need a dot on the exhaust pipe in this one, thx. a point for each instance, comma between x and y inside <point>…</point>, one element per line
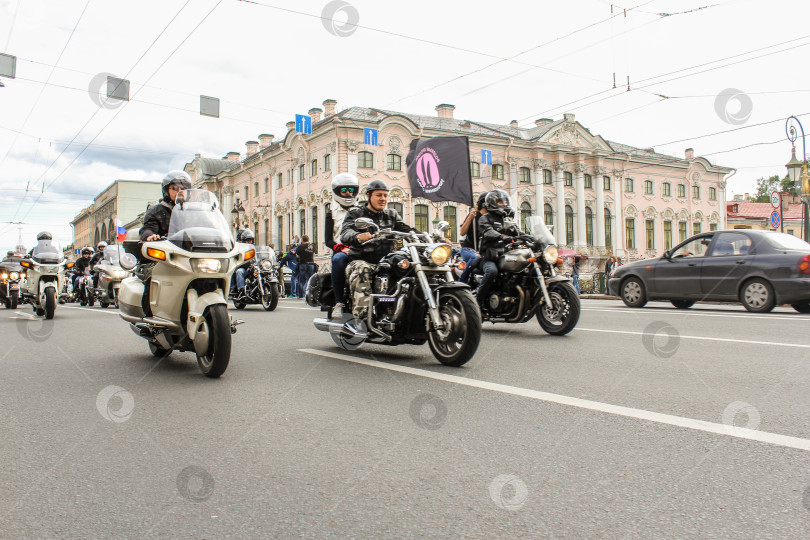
<point>325,325</point>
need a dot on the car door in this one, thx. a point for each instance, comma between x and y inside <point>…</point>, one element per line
<point>678,276</point>
<point>726,264</point>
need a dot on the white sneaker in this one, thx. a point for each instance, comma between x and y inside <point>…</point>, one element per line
<point>337,311</point>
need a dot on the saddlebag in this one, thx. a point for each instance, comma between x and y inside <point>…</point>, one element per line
<point>319,290</point>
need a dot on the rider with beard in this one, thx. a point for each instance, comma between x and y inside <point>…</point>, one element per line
<point>492,234</point>
<point>364,258</point>
<point>345,188</point>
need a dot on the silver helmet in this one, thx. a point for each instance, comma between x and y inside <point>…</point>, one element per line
<point>181,178</point>
<point>345,188</point>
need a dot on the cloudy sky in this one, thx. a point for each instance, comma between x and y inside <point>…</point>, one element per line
<point>61,143</point>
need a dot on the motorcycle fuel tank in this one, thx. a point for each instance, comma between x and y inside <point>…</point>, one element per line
<point>515,260</point>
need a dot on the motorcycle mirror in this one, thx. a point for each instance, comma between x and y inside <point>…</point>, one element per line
<point>128,261</point>
<point>364,224</point>
<point>442,226</point>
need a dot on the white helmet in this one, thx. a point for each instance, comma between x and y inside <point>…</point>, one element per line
<point>345,188</point>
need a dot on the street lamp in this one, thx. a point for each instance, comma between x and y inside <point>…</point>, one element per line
<point>238,213</point>
<point>797,170</point>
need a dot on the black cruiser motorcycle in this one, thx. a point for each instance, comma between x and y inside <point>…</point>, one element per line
<point>527,285</point>
<point>414,299</point>
<point>261,281</point>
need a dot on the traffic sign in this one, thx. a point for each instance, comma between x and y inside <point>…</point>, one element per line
<point>776,199</point>
<point>370,136</point>
<point>486,157</point>
<point>77,251</point>
<point>776,219</point>
<point>303,123</point>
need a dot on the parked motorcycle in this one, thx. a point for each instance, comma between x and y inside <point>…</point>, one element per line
<point>261,281</point>
<point>11,272</point>
<point>188,281</point>
<point>414,299</point>
<point>45,273</point>
<point>527,285</point>
<point>110,275</point>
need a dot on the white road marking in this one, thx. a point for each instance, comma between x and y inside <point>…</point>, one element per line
<point>99,310</point>
<point>693,313</point>
<point>703,338</point>
<point>776,439</point>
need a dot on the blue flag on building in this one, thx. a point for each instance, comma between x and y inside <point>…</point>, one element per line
<point>303,123</point>
<point>439,169</point>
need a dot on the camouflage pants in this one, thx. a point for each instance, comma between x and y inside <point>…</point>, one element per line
<point>359,274</point>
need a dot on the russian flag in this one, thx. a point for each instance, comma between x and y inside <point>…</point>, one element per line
<point>122,232</point>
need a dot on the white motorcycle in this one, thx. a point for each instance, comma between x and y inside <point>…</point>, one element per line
<point>188,283</point>
<point>45,277</point>
<point>110,276</point>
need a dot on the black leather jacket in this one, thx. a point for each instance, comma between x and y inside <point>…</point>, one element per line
<point>156,221</point>
<point>82,264</point>
<point>374,251</point>
<point>492,234</point>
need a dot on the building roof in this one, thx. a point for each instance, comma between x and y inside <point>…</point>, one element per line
<point>760,210</point>
<point>214,166</point>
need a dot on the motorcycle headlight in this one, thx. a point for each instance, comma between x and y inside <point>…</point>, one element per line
<point>550,254</point>
<point>439,253</point>
<point>209,266</point>
<point>4,275</point>
<point>121,274</point>
<point>22,276</point>
<point>267,265</point>
<point>14,275</point>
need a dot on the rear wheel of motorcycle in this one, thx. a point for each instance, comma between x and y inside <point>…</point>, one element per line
<point>14,300</point>
<point>456,344</point>
<point>91,300</point>
<point>104,304</point>
<point>217,325</point>
<point>50,302</point>
<point>270,300</point>
<point>238,305</point>
<point>82,302</point>
<point>159,352</point>
<point>562,316</point>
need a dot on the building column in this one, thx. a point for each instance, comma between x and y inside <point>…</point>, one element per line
<point>227,204</point>
<point>539,202</point>
<point>513,163</point>
<point>559,187</point>
<point>579,182</point>
<point>599,229</point>
<point>351,149</point>
<point>618,212</point>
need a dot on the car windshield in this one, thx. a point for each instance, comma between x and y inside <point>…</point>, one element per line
<point>197,223</point>
<point>787,241</point>
<point>47,252</point>
<point>538,229</point>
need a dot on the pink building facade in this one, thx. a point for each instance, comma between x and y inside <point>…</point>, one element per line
<point>598,196</point>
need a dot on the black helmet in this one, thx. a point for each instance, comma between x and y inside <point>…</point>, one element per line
<point>181,178</point>
<point>497,202</point>
<point>44,235</point>
<point>480,203</point>
<point>247,237</point>
<point>376,185</point>
<point>86,251</point>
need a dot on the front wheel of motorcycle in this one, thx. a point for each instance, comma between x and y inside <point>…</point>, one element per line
<point>218,329</point>
<point>91,299</point>
<point>270,300</point>
<point>563,314</point>
<point>456,343</point>
<point>50,302</point>
<point>14,300</point>
<point>238,305</point>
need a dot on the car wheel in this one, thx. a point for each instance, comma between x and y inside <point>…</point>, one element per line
<point>757,296</point>
<point>683,304</point>
<point>802,307</point>
<point>633,293</point>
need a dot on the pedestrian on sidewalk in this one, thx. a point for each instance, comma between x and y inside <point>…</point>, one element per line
<point>306,264</point>
<point>292,263</point>
<point>611,262</point>
<point>575,273</point>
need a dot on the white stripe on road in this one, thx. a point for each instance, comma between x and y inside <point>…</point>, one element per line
<point>694,313</point>
<point>703,338</point>
<point>99,310</point>
<point>679,421</point>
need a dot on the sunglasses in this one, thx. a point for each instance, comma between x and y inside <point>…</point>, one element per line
<point>175,188</point>
<point>347,190</point>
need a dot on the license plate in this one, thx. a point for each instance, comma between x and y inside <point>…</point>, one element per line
<point>15,287</point>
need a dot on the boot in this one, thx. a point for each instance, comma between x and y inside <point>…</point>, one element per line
<point>337,311</point>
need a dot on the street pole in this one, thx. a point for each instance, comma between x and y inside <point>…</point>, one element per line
<point>797,170</point>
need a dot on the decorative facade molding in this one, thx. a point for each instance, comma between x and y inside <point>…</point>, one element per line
<point>560,165</point>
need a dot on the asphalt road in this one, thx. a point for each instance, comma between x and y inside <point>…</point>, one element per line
<point>642,423</point>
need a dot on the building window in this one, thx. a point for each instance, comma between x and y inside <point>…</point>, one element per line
<point>569,225</point>
<point>256,232</point>
<point>588,226</point>
<point>314,238</point>
<point>712,194</point>
<point>497,172</point>
<point>475,169</point>
<point>630,233</point>
<point>713,227</point>
<point>695,192</point>
<point>267,231</point>
<point>247,193</point>
<point>327,162</point>
<point>266,185</point>
<point>681,190</point>
<point>313,171</point>
<point>397,207</point>
<point>302,218</point>
<point>280,181</point>
<point>548,215</point>
<point>393,162</point>
<point>569,179</point>
<point>681,231</point>
<point>606,181</point>
<point>525,175</point>
<point>450,217</point>
<point>420,217</point>
<point>608,228</point>
<point>667,235</point>
<point>525,214</point>
<point>365,160</point>
<point>696,227</point>
<point>301,173</point>
<point>279,233</point>
<point>547,177</point>
<point>667,189</point>
<point>650,236</point>
<point>628,185</point>
<point>648,187</point>
<point>255,189</point>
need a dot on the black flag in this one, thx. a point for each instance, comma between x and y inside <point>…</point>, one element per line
<point>439,169</point>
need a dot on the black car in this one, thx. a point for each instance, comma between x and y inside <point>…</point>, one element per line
<point>758,268</point>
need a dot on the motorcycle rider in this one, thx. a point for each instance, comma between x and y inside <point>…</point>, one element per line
<point>156,223</point>
<point>44,235</point>
<point>345,189</point>
<point>492,234</point>
<point>244,236</point>
<point>81,266</point>
<point>364,258</point>
<point>95,259</point>
<point>471,241</point>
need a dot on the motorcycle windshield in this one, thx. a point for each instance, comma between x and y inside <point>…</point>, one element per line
<point>264,252</point>
<point>197,223</point>
<point>538,229</point>
<point>112,254</point>
<point>47,252</point>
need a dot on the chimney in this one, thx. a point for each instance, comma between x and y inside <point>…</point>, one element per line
<point>252,147</point>
<point>291,125</point>
<point>197,156</point>
<point>315,113</point>
<point>232,156</point>
<point>329,107</point>
<point>689,153</point>
<point>747,197</point>
<point>540,122</point>
<point>569,117</point>
<point>265,140</point>
<point>513,123</point>
<point>445,110</point>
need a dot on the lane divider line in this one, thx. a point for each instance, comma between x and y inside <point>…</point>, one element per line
<point>702,338</point>
<point>698,314</point>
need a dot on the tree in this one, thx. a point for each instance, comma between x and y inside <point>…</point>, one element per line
<point>766,185</point>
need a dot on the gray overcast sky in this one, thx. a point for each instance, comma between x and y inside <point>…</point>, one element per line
<point>268,62</point>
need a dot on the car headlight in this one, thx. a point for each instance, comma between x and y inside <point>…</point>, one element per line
<point>550,254</point>
<point>209,266</point>
<point>14,275</point>
<point>438,253</point>
<point>267,265</point>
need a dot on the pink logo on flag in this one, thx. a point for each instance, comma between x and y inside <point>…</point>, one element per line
<point>427,170</point>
